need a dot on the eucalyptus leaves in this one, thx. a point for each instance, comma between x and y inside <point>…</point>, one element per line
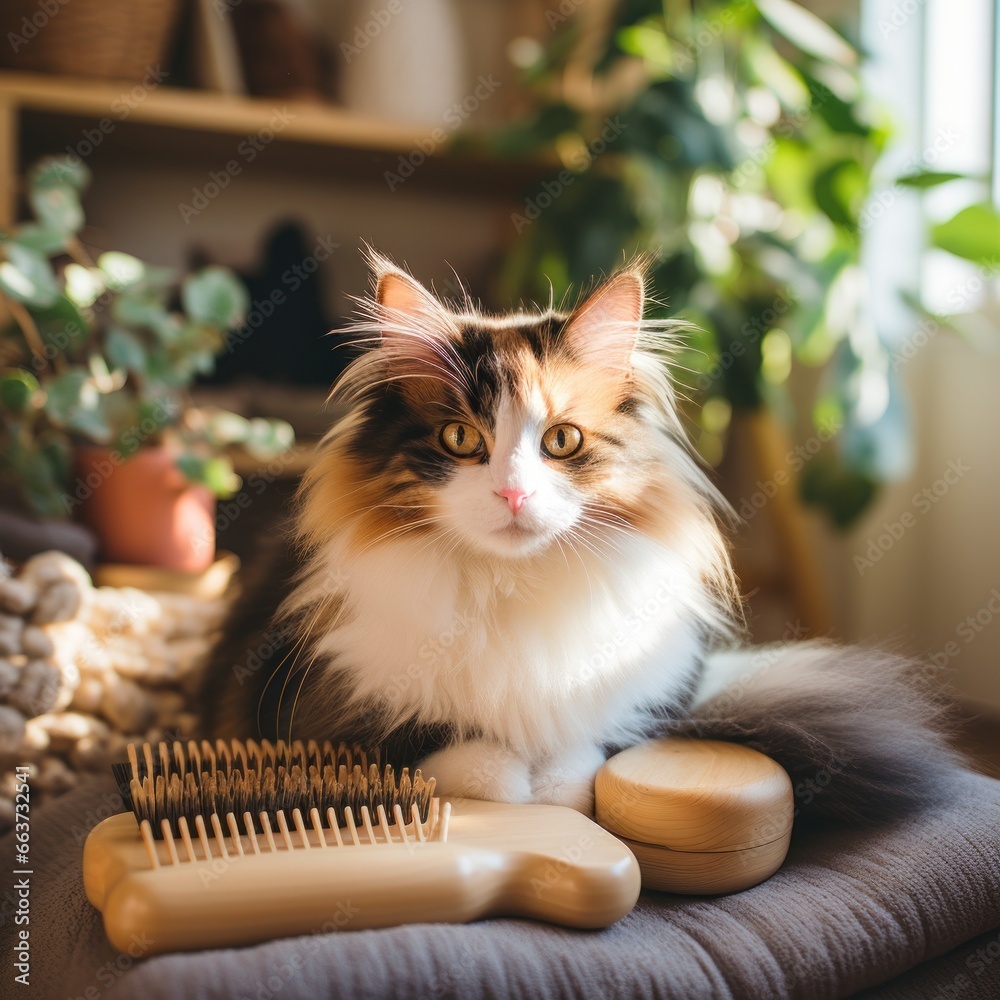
<point>103,351</point>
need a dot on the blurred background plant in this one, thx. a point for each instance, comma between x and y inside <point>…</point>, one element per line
<point>103,352</point>
<point>734,142</point>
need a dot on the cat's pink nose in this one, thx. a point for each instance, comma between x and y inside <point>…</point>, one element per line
<point>515,497</point>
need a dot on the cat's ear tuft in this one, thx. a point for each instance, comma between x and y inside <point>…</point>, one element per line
<point>400,295</point>
<point>603,330</point>
<point>415,328</point>
<point>407,313</point>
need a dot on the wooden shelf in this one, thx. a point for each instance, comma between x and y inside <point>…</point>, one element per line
<point>204,111</point>
<point>62,103</point>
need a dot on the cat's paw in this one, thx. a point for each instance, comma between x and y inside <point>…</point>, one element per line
<point>568,780</point>
<point>479,769</point>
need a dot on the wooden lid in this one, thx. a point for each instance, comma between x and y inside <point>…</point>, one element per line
<point>694,795</point>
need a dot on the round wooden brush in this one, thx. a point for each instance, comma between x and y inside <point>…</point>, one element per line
<point>701,816</point>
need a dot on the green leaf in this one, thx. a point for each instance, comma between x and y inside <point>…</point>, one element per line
<point>163,369</point>
<point>268,437</point>
<point>224,428</point>
<point>19,391</point>
<point>138,422</point>
<point>806,31</point>
<point>62,325</point>
<point>974,233</point>
<point>838,190</point>
<point>216,473</point>
<point>929,178</point>
<point>84,285</point>
<point>56,451</point>
<point>125,350</point>
<point>143,309</point>
<point>27,276</point>
<point>91,422</point>
<point>41,239</point>
<point>73,402</point>
<point>840,115</point>
<point>215,296</point>
<point>875,438</point>
<point>64,393</point>
<point>774,71</point>
<point>55,171</point>
<point>842,492</point>
<point>121,270</point>
<point>58,207</point>
<point>35,475</point>
<point>649,42</point>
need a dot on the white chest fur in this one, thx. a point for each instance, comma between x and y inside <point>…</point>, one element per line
<point>552,651</point>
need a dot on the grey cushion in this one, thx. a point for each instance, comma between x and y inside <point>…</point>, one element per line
<point>848,911</point>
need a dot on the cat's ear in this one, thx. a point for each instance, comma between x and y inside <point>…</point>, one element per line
<point>603,330</point>
<point>415,329</point>
<point>412,322</point>
<point>400,295</point>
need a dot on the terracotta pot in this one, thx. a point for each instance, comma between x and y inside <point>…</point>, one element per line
<point>144,510</point>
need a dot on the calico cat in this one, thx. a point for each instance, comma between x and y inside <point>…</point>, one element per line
<point>505,563</point>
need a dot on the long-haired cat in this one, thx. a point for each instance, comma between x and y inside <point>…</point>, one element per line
<point>505,563</point>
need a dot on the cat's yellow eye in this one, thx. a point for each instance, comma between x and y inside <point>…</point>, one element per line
<point>462,440</point>
<point>562,441</point>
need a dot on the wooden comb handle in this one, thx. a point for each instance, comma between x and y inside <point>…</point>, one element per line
<point>499,860</point>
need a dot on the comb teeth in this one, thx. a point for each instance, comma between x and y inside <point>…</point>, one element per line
<point>171,785</point>
<point>211,842</point>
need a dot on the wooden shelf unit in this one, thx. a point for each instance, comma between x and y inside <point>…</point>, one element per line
<point>200,114</point>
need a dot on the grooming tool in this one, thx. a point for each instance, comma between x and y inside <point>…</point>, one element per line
<point>243,842</point>
<point>701,816</point>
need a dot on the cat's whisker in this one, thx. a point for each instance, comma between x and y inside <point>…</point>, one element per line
<point>293,652</point>
<point>306,637</point>
<point>589,526</point>
<point>400,529</point>
<point>577,537</point>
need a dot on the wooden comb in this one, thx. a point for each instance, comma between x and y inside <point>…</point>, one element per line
<point>244,842</point>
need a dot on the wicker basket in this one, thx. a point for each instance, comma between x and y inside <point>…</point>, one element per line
<point>108,39</point>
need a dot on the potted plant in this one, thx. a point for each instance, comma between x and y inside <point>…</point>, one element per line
<point>96,359</point>
<point>733,142</point>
